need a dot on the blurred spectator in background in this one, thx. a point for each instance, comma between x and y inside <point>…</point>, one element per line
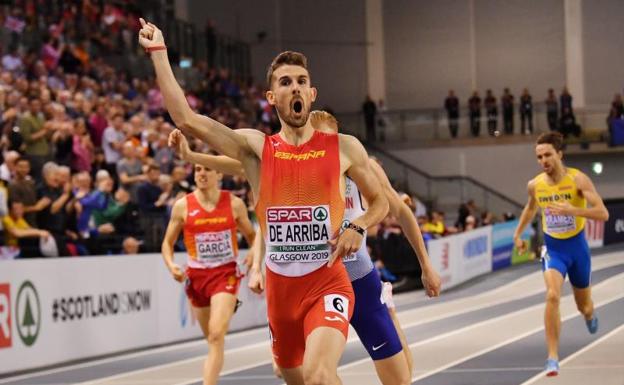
<point>35,136</point>
<point>507,103</point>
<point>565,101</point>
<point>152,201</point>
<point>552,110</point>
<point>526,112</point>
<point>618,106</point>
<point>7,169</point>
<point>112,143</point>
<point>52,197</point>
<point>470,223</point>
<point>19,234</point>
<point>130,169</point>
<point>465,210</point>
<point>474,108</point>
<point>23,189</point>
<point>568,124</point>
<point>491,109</point>
<point>435,224</point>
<point>130,246</point>
<point>451,104</point>
<point>369,109</point>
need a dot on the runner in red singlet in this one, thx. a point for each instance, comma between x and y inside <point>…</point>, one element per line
<point>209,219</point>
<point>297,177</point>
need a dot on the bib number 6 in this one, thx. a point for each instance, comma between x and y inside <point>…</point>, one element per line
<point>336,303</point>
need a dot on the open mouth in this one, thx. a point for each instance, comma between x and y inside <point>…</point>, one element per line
<point>297,106</point>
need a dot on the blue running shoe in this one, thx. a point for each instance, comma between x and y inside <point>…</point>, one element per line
<point>592,325</point>
<point>552,367</point>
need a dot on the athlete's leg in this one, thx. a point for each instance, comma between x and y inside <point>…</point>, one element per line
<point>407,352</point>
<point>393,370</point>
<point>214,321</point>
<point>552,318</point>
<point>292,376</point>
<point>324,347</point>
<point>584,302</point>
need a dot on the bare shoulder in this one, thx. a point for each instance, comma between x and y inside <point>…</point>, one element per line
<point>236,201</point>
<point>352,148</point>
<point>255,139</point>
<point>178,211</point>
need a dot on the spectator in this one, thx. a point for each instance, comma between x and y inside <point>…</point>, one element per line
<point>568,124</point>
<point>22,189</point>
<point>152,204</point>
<point>131,246</point>
<point>82,147</point>
<point>18,233</point>
<point>181,185</point>
<point>35,135</point>
<point>491,108</point>
<point>526,112</point>
<point>471,223</point>
<point>451,104</point>
<point>465,209</point>
<point>52,198</point>
<point>507,101</point>
<point>474,106</point>
<point>112,143</point>
<point>98,122</point>
<point>369,110</point>
<point>565,101</point>
<point>435,225</point>
<point>552,110</point>
<point>487,218</point>
<point>130,170</point>
<point>7,169</point>
<point>12,61</point>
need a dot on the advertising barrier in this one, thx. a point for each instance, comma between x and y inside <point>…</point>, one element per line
<point>594,233</point>
<point>504,253</point>
<point>58,310</point>
<point>461,257</point>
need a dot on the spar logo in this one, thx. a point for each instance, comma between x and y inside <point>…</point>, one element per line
<point>320,214</point>
<point>27,314</point>
<point>290,214</point>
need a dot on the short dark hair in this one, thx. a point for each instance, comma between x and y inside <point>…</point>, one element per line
<point>286,58</point>
<point>22,158</point>
<point>553,138</point>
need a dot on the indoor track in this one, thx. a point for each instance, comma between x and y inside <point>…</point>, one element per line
<point>487,332</point>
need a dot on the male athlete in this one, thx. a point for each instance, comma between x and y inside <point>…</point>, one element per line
<point>376,324</point>
<point>209,218</point>
<point>297,180</point>
<point>562,193</point>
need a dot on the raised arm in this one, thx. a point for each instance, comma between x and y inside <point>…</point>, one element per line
<point>359,171</point>
<point>407,221</point>
<point>220,137</point>
<point>220,163</point>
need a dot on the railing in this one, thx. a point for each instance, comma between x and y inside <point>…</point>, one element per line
<point>419,125</point>
<point>443,193</point>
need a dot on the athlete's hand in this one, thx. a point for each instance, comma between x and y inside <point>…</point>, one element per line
<point>177,272</point>
<point>520,244</point>
<point>256,280</point>
<point>431,281</point>
<point>178,142</point>
<point>150,35</point>
<point>561,209</point>
<point>348,242</point>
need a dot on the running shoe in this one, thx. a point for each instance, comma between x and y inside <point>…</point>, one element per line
<point>552,367</point>
<point>592,325</point>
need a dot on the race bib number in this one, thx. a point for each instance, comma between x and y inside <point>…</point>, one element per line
<point>557,224</point>
<point>214,247</point>
<point>336,303</point>
<point>298,234</point>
